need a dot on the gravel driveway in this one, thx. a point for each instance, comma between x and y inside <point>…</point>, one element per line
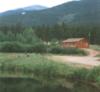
<point>89,60</point>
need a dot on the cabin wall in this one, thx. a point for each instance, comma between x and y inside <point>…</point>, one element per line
<point>65,45</point>
<point>83,44</point>
<point>80,44</point>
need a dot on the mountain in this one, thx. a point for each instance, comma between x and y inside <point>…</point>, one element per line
<point>34,7</point>
<point>74,12</point>
<point>23,10</point>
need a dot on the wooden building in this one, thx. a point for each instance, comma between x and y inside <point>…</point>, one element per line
<point>75,42</point>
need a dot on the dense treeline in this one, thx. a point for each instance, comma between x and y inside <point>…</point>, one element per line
<point>61,32</point>
<point>19,39</point>
<point>18,33</point>
<point>49,33</point>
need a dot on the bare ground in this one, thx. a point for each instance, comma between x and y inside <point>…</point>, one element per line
<point>86,61</point>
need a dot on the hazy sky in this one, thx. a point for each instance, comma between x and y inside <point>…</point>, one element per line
<point>12,4</point>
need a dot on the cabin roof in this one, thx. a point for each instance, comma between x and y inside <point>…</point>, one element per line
<point>73,40</point>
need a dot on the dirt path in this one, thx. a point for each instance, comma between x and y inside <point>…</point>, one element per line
<point>87,61</point>
<point>92,52</point>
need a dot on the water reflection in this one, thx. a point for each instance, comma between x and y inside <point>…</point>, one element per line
<point>29,85</point>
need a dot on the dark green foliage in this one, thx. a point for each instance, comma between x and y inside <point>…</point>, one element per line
<point>94,74</point>
<point>25,35</point>
<point>15,46</point>
<point>79,74</point>
<point>69,51</point>
<point>40,48</point>
<point>46,33</point>
<point>28,85</point>
<point>20,47</point>
<point>36,48</point>
<point>23,40</point>
<point>31,85</point>
<point>11,47</point>
<point>63,31</point>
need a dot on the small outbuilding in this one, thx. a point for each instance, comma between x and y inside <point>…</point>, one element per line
<point>76,42</point>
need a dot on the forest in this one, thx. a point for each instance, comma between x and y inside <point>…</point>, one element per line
<point>45,33</point>
<point>62,32</point>
<point>18,38</point>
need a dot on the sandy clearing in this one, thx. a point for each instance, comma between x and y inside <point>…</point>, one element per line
<point>92,52</point>
<point>87,61</point>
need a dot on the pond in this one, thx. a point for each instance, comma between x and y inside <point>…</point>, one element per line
<point>30,85</point>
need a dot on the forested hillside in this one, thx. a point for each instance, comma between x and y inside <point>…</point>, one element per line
<point>76,12</point>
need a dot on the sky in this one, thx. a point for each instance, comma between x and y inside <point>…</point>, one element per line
<point>13,4</point>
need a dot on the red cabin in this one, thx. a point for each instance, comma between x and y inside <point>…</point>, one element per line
<point>76,42</point>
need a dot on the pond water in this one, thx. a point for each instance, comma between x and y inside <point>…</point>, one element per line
<point>29,85</point>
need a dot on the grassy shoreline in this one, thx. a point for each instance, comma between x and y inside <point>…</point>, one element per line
<point>44,71</point>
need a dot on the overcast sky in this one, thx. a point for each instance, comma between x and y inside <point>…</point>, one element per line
<point>13,4</point>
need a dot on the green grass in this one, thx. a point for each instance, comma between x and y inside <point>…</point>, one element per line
<point>95,47</point>
<point>32,66</point>
<point>36,66</point>
<point>46,73</point>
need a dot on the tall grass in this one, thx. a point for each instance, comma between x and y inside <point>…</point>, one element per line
<point>34,66</point>
<point>45,72</point>
<point>95,47</point>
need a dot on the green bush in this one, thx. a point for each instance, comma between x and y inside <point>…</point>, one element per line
<point>36,48</point>
<point>70,51</point>
<point>40,48</point>
<point>20,47</point>
<point>11,47</point>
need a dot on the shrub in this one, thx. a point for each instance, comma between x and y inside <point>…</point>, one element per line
<point>70,51</point>
<point>40,48</point>
<point>11,47</point>
<point>37,48</point>
<point>20,47</point>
